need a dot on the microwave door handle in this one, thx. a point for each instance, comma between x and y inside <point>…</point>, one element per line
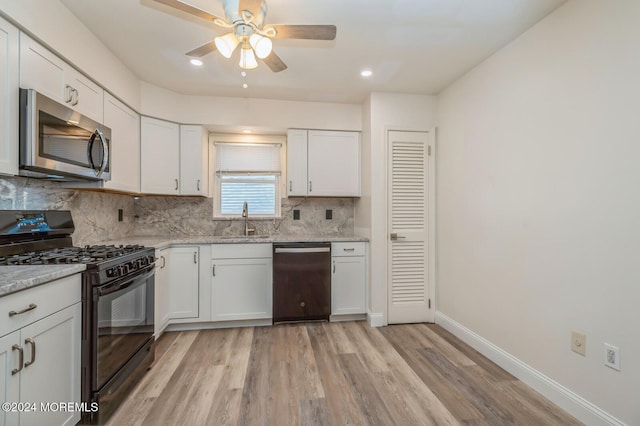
<point>92,140</point>
<point>105,152</point>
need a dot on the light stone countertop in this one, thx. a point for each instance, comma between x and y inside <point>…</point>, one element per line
<point>14,278</point>
<point>159,242</point>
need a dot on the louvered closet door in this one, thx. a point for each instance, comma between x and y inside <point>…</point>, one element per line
<point>408,298</point>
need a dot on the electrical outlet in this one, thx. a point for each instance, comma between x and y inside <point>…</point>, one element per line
<point>296,214</point>
<point>612,356</point>
<point>328,214</point>
<point>579,342</point>
<point>120,215</point>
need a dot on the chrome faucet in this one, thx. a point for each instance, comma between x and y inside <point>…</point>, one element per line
<point>245,215</point>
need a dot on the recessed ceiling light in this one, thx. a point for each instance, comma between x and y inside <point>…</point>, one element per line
<point>245,85</point>
<point>246,131</point>
<point>366,73</point>
<point>196,62</point>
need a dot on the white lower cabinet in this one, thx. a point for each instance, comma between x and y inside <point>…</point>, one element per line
<point>184,282</point>
<point>242,282</point>
<point>161,291</point>
<point>348,278</point>
<point>40,354</point>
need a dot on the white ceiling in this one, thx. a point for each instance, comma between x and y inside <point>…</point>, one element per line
<point>412,46</point>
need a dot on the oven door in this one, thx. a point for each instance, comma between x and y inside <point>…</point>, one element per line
<point>123,323</point>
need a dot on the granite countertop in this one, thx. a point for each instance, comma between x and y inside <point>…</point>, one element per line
<point>20,277</point>
<point>160,242</point>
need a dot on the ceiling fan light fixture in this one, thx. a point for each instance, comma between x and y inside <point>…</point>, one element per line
<point>247,59</point>
<point>226,44</point>
<point>262,45</point>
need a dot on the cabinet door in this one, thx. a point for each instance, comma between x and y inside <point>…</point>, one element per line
<point>125,145</point>
<point>52,369</point>
<point>160,157</point>
<point>42,70</point>
<point>9,383</point>
<point>9,69</point>
<point>334,163</point>
<point>183,282</point>
<point>297,162</point>
<point>87,97</point>
<point>241,289</point>
<point>161,295</point>
<point>348,285</point>
<point>194,160</point>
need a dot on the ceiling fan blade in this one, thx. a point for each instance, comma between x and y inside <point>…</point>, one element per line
<point>274,62</point>
<point>308,32</point>
<point>192,10</point>
<point>205,49</point>
<point>253,6</point>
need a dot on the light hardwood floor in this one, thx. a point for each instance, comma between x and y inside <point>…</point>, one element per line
<point>329,374</point>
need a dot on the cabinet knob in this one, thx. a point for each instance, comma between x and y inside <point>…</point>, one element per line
<point>302,305</point>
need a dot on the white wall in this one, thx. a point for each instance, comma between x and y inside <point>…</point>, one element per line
<point>50,21</point>
<point>538,203</point>
<point>384,112</point>
<point>248,112</point>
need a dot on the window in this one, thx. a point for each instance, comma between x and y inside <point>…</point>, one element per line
<point>247,172</point>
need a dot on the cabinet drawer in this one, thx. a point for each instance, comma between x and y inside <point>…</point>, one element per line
<point>348,249</point>
<point>48,298</point>
<point>241,251</point>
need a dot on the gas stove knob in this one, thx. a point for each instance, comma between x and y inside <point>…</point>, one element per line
<point>111,272</point>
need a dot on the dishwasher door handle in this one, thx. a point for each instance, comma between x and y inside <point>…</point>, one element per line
<point>303,249</point>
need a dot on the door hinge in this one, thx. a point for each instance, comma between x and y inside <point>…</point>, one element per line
<point>429,151</point>
<point>429,303</point>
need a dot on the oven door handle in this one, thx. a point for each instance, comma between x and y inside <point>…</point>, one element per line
<point>112,288</point>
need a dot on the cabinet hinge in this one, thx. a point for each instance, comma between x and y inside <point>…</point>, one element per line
<point>429,151</point>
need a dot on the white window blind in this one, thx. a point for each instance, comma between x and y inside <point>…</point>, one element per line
<point>249,158</point>
<point>247,173</point>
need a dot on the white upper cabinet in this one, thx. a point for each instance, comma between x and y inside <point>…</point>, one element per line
<point>194,160</point>
<point>125,145</point>
<point>48,74</point>
<point>323,163</point>
<point>9,68</point>
<point>160,157</point>
<point>297,162</point>
<point>175,158</point>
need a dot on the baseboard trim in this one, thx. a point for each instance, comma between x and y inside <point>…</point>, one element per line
<point>574,404</point>
<point>375,319</point>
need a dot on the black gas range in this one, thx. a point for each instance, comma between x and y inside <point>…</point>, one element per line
<point>117,300</point>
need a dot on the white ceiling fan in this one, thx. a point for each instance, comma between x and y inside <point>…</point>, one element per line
<point>245,20</point>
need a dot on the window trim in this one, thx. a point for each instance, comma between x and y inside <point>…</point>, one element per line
<point>281,177</point>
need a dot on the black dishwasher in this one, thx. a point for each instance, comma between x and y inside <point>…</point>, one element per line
<point>301,281</point>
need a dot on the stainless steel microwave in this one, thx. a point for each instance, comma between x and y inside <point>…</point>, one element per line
<point>59,143</point>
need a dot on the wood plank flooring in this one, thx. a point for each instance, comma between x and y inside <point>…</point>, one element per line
<point>329,374</point>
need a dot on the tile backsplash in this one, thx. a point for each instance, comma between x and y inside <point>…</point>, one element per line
<point>193,216</point>
<point>95,214</point>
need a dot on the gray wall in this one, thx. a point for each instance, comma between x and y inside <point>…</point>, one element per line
<point>538,202</point>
